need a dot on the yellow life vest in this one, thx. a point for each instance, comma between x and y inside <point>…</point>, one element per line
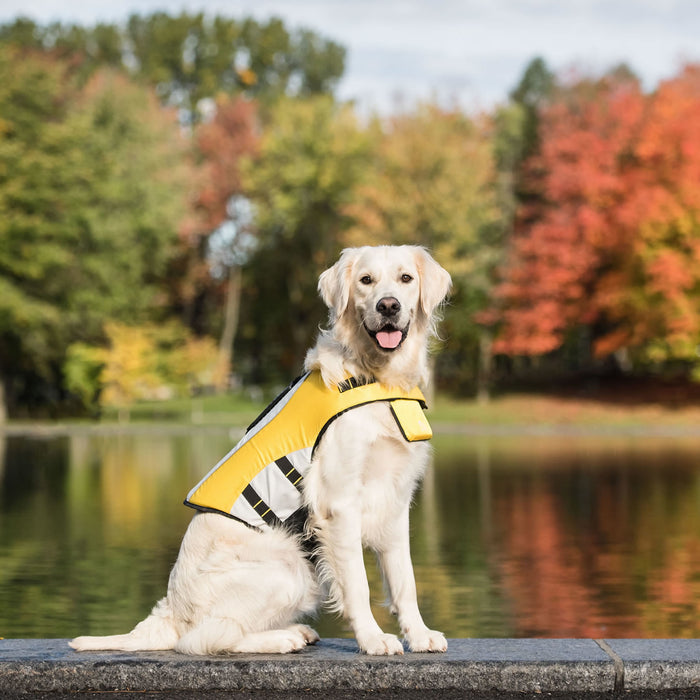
<point>259,480</point>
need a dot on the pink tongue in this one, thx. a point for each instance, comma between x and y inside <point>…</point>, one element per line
<point>389,339</point>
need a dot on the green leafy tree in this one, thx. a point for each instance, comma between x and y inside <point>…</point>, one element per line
<point>92,187</point>
<point>86,48</point>
<point>516,138</point>
<point>189,57</point>
<point>203,66</point>
<point>531,95</point>
<point>312,155</point>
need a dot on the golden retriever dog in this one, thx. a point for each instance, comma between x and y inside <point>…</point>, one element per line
<point>237,588</point>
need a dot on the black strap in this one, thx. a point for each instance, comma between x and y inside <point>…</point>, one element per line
<point>289,470</point>
<point>259,506</point>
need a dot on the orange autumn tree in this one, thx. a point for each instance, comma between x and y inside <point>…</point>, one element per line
<point>662,299</point>
<point>614,244</point>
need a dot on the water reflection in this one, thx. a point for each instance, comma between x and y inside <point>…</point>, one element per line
<point>511,536</point>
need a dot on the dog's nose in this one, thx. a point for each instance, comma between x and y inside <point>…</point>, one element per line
<point>388,306</point>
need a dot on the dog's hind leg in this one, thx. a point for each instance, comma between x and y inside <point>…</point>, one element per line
<point>157,632</point>
<point>252,589</point>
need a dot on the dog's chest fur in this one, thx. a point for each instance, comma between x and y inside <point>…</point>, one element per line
<point>366,466</point>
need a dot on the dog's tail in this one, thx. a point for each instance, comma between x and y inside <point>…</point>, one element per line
<point>155,633</point>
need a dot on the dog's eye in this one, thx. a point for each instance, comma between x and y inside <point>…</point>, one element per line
<point>366,279</point>
<point>406,279</point>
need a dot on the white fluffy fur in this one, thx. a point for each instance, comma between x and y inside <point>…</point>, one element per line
<point>234,589</point>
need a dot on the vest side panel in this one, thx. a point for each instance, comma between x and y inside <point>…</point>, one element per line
<point>243,511</point>
<point>205,493</point>
<point>291,427</point>
<point>277,491</point>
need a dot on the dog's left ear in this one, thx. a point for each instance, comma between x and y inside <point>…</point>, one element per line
<point>333,284</point>
<point>434,279</point>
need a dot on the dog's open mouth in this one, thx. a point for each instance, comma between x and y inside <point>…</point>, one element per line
<point>388,337</point>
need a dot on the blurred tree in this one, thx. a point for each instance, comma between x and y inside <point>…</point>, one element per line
<point>432,183</point>
<point>531,95</point>
<point>615,248</point>
<point>193,62</point>
<point>556,250</point>
<point>141,362</point>
<point>219,239</point>
<point>191,57</point>
<point>312,155</point>
<point>92,185</point>
<point>86,49</point>
<point>130,367</point>
<point>81,373</point>
<point>516,141</point>
<point>516,138</point>
<point>651,304</point>
<point>509,155</point>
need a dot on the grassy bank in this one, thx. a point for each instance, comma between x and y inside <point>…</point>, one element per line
<point>540,409</point>
<point>229,409</point>
<point>507,410</point>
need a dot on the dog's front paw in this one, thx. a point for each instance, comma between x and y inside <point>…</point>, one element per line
<point>427,640</point>
<point>381,645</point>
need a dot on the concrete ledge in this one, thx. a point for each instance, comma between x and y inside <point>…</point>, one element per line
<point>472,668</point>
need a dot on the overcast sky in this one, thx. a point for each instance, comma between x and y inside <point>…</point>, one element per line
<point>473,51</point>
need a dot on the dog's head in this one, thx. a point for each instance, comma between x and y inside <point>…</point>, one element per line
<point>381,298</point>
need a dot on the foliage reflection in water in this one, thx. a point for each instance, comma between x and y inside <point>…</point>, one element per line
<point>512,537</point>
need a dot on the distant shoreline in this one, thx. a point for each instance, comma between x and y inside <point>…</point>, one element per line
<point>53,430</point>
<point>616,413</point>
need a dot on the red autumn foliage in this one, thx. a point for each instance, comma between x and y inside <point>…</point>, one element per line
<point>220,146</point>
<point>614,240</point>
<point>230,136</point>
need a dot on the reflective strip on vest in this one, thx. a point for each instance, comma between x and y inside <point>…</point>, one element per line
<point>259,480</point>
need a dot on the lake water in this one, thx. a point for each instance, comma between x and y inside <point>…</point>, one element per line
<point>511,536</point>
